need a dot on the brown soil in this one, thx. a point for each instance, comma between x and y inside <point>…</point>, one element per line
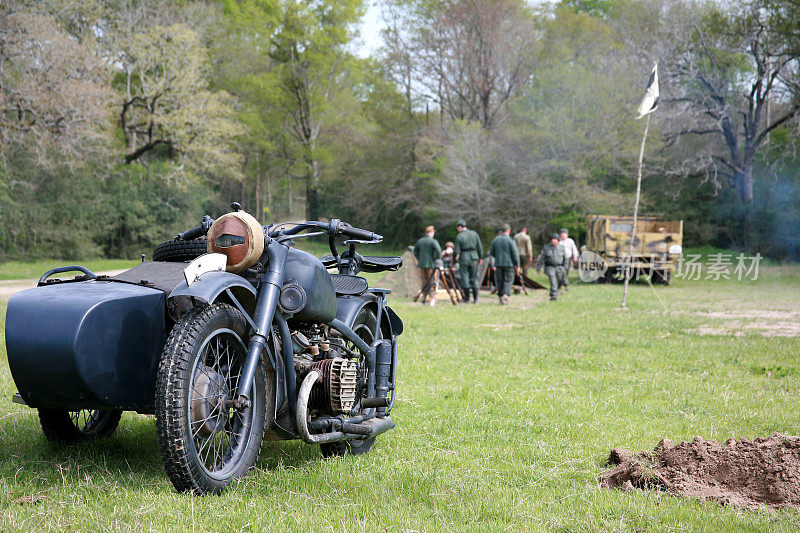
<point>737,329</point>
<point>751,322</point>
<point>761,474</point>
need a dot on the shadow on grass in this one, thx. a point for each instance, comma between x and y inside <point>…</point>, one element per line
<point>129,459</point>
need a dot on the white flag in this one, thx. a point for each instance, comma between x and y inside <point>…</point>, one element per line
<point>650,100</point>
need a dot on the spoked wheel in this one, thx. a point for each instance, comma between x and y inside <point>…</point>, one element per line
<point>205,441</point>
<point>60,425</point>
<point>364,327</point>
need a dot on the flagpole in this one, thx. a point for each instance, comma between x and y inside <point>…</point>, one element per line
<point>635,214</point>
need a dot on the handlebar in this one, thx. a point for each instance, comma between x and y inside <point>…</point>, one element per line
<point>199,231</point>
<point>190,234</point>
<point>361,234</point>
<point>334,228</point>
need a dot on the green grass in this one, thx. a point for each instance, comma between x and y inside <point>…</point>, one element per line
<point>505,417</point>
<point>34,269</point>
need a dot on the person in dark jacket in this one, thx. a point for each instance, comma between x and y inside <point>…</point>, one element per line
<point>506,262</point>
<point>554,261</point>
<point>469,254</point>
<point>428,253</point>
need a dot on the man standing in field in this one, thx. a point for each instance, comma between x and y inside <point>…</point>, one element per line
<point>506,260</point>
<point>428,252</point>
<point>555,263</point>
<point>525,248</point>
<point>572,254</point>
<point>469,254</point>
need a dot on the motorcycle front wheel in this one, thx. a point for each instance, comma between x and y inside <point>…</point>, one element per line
<point>206,443</point>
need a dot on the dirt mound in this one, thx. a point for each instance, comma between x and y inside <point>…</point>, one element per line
<point>406,281</point>
<point>760,474</point>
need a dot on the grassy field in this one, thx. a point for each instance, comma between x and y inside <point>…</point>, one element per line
<point>34,269</point>
<point>505,418</point>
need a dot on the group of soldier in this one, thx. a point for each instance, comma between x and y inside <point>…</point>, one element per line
<point>509,258</point>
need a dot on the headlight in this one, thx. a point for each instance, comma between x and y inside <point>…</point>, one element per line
<point>239,237</point>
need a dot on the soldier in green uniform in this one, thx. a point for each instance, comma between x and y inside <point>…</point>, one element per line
<point>554,261</point>
<point>506,260</point>
<point>469,254</point>
<point>428,252</point>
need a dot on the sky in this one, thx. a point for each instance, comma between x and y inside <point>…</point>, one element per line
<point>371,26</point>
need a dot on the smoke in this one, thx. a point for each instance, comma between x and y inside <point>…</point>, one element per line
<point>778,217</point>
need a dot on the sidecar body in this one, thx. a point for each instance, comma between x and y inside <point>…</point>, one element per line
<point>91,344</point>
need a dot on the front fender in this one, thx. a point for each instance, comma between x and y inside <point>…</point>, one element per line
<point>348,307</point>
<point>209,288</point>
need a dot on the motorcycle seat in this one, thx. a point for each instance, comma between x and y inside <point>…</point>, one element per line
<point>381,263</point>
<point>367,263</point>
<point>350,285</point>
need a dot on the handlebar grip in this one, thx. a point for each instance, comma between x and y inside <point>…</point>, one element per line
<point>362,234</point>
<point>190,234</point>
<point>199,231</point>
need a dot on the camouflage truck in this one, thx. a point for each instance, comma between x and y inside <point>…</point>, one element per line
<point>656,250</point>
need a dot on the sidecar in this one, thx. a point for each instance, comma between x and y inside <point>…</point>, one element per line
<point>94,343</point>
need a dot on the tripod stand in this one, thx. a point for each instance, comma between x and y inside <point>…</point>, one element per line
<point>432,285</point>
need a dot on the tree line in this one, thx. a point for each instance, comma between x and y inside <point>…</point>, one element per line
<point>123,121</point>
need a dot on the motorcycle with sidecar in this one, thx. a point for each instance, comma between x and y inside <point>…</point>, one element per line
<point>229,335</point>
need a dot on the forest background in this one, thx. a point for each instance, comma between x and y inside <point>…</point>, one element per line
<point>124,121</point>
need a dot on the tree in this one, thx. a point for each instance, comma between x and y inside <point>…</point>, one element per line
<point>53,88</point>
<point>310,49</point>
<point>468,185</point>
<point>167,104</point>
<point>734,79</point>
<point>469,57</point>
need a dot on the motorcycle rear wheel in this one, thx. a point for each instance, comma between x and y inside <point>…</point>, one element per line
<point>60,425</point>
<point>205,443</point>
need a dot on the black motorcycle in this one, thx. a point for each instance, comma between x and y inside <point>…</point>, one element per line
<point>253,338</point>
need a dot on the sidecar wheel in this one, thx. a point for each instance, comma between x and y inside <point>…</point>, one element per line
<point>60,425</point>
<point>179,251</point>
<point>205,443</point>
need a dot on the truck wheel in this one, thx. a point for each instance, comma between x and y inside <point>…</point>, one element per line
<point>179,251</point>
<point>60,425</point>
<point>662,276</point>
<point>607,277</point>
<point>205,442</point>
<point>364,327</point>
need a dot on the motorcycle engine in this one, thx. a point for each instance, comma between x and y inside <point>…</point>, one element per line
<point>336,389</point>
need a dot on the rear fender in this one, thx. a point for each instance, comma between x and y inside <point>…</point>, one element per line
<point>209,288</point>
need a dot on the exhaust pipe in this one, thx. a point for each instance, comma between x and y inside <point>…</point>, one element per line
<point>368,428</point>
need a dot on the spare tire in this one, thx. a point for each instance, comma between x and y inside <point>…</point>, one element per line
<point>178,251</point>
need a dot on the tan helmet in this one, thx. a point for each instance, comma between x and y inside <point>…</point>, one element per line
<point>238,236</point>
